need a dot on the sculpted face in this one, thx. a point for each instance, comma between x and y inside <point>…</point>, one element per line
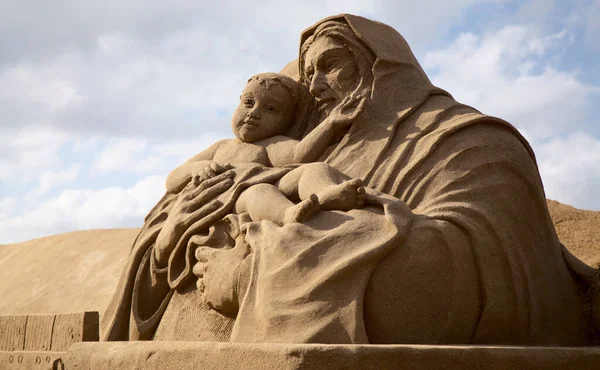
<point>263,112</point>
<point>331,71</point>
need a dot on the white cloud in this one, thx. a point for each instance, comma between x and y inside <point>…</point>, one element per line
<point>591,13</point>
<point>38,87</point>
<point>51,179</point>
<point>26,153</point>
<point>570,168</point>
<point>122,155</point>
<point>509,74</point>
<point>7,207</point>
<point>81,209</point>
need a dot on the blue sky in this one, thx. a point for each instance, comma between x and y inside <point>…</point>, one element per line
<point>98,101</point>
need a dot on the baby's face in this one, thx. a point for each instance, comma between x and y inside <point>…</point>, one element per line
<point>263,112</point>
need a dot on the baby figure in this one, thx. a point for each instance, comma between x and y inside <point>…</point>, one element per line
<point>268,108</point>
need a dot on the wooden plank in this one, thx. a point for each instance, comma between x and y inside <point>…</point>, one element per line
<point>12,333</point>
<point>73,328</point>
<point>38,335</point>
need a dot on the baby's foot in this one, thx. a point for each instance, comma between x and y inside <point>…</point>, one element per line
<point>302,211</point>
<point>218,271</point>
<point>343,197</point>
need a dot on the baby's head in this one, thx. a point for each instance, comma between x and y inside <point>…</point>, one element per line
<point>267,107</point>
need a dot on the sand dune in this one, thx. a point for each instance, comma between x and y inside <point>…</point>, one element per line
<point>578,230</point>
<point>78,271</point>
<point>70,272</point>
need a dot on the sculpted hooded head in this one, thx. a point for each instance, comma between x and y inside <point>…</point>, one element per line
<point>335,63</point>
<point>347,55</point>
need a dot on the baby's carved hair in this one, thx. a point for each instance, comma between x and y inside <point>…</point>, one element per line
<point>269,79</point>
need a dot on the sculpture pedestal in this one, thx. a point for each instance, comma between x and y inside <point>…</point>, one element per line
<point>223,356</point>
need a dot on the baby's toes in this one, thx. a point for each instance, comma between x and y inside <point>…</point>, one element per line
<point>203,254</point>
<point>355,183</point>
<point>200,285</point>
<point>244,229</point>
<point>299,213</point>
<point>361,195</point>
<point>308,208</point>
<point>199,269</point>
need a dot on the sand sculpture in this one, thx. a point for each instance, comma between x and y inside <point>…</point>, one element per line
<point>422,221</point>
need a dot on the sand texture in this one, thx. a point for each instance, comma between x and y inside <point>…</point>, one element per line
<point>78,271</point>
<point>70,272</point>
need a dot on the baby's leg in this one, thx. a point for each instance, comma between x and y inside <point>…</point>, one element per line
<point>266,202</point>
<point>335,190</point>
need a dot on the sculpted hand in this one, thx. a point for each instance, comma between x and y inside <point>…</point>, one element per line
<point>219,271</point>
<point>347,111</point>
<point>196,200</point>
<point>206,171</point>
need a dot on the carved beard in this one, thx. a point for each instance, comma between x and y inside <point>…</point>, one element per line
<point>363,89</point>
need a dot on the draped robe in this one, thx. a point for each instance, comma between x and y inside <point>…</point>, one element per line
<point>455,246</point>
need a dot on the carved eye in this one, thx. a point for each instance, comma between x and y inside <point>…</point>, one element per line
<point>309,75</point>
<point>248,102</point>
<point>331,64</point>
<point>271,108</point>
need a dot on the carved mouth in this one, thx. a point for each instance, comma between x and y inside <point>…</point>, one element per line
<point>249,123</point>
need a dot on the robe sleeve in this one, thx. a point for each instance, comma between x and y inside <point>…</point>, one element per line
<point>141,280</point>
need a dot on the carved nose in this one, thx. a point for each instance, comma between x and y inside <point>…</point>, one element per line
<point>253,113</point>
<point>317,84</point>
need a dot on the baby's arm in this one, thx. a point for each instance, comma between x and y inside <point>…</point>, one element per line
<point>315,143</point>
<point>180,176</point>
<point>283,150</point>
<point>318,140</point>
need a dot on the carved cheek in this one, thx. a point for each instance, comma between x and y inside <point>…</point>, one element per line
<point>235,118</point>
<point>347,74</point>
<point>341,81</point>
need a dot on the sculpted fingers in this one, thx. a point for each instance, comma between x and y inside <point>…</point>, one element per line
<point>214,190</point>
<point>220,168</point>
<point>354,100</point>
<point>350,107</point>
<point>359,108</point>
<point>196,203</point>
<point>203,211</point>
<point>194,192</point>
<point>344,103</point>
<point>209,172</point>
<point>229,174</point>
<point>191,189</point>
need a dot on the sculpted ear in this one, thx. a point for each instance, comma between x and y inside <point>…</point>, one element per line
<point>291,70</point>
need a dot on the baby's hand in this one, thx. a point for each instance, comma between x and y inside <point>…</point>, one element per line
<point>205,172</point>
<point>347,111</point>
